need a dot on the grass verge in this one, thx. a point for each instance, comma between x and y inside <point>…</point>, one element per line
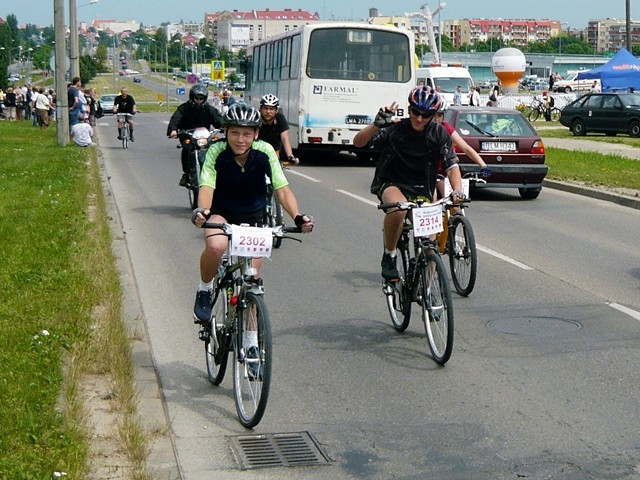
<point>60,310</point>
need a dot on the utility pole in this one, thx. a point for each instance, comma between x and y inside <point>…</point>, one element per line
<point>62,105</point>
<point>74,69</point>
<point>628,24</point>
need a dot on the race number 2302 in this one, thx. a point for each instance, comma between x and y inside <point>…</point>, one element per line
<point>251,241</point>
<point>427,220</point>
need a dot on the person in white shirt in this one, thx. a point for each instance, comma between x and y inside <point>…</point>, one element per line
<point>82,132</point>
<point>42,106</point>
<point>595,88</point>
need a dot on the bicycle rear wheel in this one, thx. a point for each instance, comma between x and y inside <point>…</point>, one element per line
<point>437,307</point>
<point>252,377</point>
<point>555,114</point>
<point>463,257</point>
<point>216,344</point>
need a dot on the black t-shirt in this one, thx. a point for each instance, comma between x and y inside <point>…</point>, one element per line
<point>411,159</point>
<point>125,105</point>
<point>271,133</point>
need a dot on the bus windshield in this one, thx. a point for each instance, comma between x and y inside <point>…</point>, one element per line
<point>359,54</point>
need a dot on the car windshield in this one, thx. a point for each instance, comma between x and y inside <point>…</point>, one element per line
<point>494,124</point>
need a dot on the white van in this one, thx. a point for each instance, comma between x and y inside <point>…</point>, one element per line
<point>448,79</point>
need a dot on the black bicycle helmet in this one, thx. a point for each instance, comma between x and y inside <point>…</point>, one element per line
<point>198,89</point>
<point>242,115</point>
<point>425,98</point>
<point>269,100</point>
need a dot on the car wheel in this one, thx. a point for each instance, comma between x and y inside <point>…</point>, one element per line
<point>567,89</point>
<point>529,193</point>
<point>634,129</point>
<point>578,128</point>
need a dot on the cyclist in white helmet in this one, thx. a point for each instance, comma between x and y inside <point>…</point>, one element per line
<point>275,128</point>
<point>233,190</point>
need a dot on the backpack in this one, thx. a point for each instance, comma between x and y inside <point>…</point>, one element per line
<point>552,102</point>
<point>99,111</point>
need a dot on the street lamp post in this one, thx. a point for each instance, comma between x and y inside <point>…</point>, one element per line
<point>560,46</point>
<point>439,9</point>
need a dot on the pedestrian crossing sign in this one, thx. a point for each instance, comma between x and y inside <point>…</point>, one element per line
<point>217,70</point>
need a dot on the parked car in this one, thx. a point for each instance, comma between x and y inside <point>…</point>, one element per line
<point>608,113</point>
<point>507,143</point>
<point>106,101</point>
<point>137,80</point>
<point>572,84</point>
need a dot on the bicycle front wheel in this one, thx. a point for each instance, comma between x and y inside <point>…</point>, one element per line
<point>437,307</point>
<point>463,257</point>
<point>124,133</point>
<point>252,376</point>
<point>555,114</point>
<point>533,116</point>
<point>216,343</point>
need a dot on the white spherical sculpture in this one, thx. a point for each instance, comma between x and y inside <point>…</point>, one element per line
<point>509,65</point>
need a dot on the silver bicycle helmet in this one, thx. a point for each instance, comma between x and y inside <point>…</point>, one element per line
<point>425,98</point>
<point>242,115</point>
<point>269,100</point>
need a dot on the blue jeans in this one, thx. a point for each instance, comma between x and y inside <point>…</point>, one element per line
<point>73,116</point>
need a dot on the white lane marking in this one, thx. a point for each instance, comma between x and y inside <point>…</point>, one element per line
<point>358,197</point>
<point>510,260</point>
<point>479,247</point>
<point>294,172</point>
<point>632,313</point>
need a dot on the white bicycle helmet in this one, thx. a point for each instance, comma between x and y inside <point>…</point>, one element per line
<point>269,100</point>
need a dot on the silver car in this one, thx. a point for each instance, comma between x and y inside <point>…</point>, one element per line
<point>106,101</point>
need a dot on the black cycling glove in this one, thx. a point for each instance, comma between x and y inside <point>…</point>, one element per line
<point>384,118</point>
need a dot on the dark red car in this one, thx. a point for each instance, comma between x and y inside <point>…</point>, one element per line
<point>508,144</point>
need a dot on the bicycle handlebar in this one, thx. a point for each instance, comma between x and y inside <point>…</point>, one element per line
<point>278,231</point>
<point>406,205</point>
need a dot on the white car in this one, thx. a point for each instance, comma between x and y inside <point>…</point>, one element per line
<point>572,84</point>
<point>106,101</point>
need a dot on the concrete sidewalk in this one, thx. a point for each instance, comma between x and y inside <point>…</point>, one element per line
<point>627,197</point>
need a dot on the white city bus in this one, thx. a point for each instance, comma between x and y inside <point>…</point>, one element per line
<point>331,78</point>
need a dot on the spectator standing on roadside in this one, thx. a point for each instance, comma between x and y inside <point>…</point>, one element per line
<point>73,100</point>
<point>474,97</point>
<point>33,98</point>
<point>42,106</point>
<point>457,96</point>
<point>595,88</point>
<point>552,80</point>
<point>10,104</point>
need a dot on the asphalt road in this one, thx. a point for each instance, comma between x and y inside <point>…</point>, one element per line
<point>543,378</point>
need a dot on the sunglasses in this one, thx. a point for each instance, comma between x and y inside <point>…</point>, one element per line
<point>199,97</point>
<point>418,113</point>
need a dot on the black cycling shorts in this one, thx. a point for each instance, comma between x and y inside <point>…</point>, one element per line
<point>236,218</point>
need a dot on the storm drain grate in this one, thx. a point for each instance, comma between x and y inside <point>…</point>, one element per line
<point>278,450</point>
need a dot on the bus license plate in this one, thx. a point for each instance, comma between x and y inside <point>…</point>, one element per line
<point>357,120</point>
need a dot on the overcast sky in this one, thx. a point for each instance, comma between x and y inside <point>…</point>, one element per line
<point>153,12</point>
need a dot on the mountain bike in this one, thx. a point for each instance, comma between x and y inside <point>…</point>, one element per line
<point>423,282</point>
<point>238,305</point>
<point>125,134</point>
<point>274,213</point>
<point>457,239</point>
<point>537,108</point>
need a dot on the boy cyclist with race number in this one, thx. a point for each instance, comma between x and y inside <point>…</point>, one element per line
<point>412,149</point>
<point>233,190</point>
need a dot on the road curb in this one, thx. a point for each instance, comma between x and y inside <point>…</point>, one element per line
<point>162,461</point>
<point>623,200</point>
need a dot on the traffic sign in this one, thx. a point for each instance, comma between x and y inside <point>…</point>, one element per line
<point>180,91</point>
